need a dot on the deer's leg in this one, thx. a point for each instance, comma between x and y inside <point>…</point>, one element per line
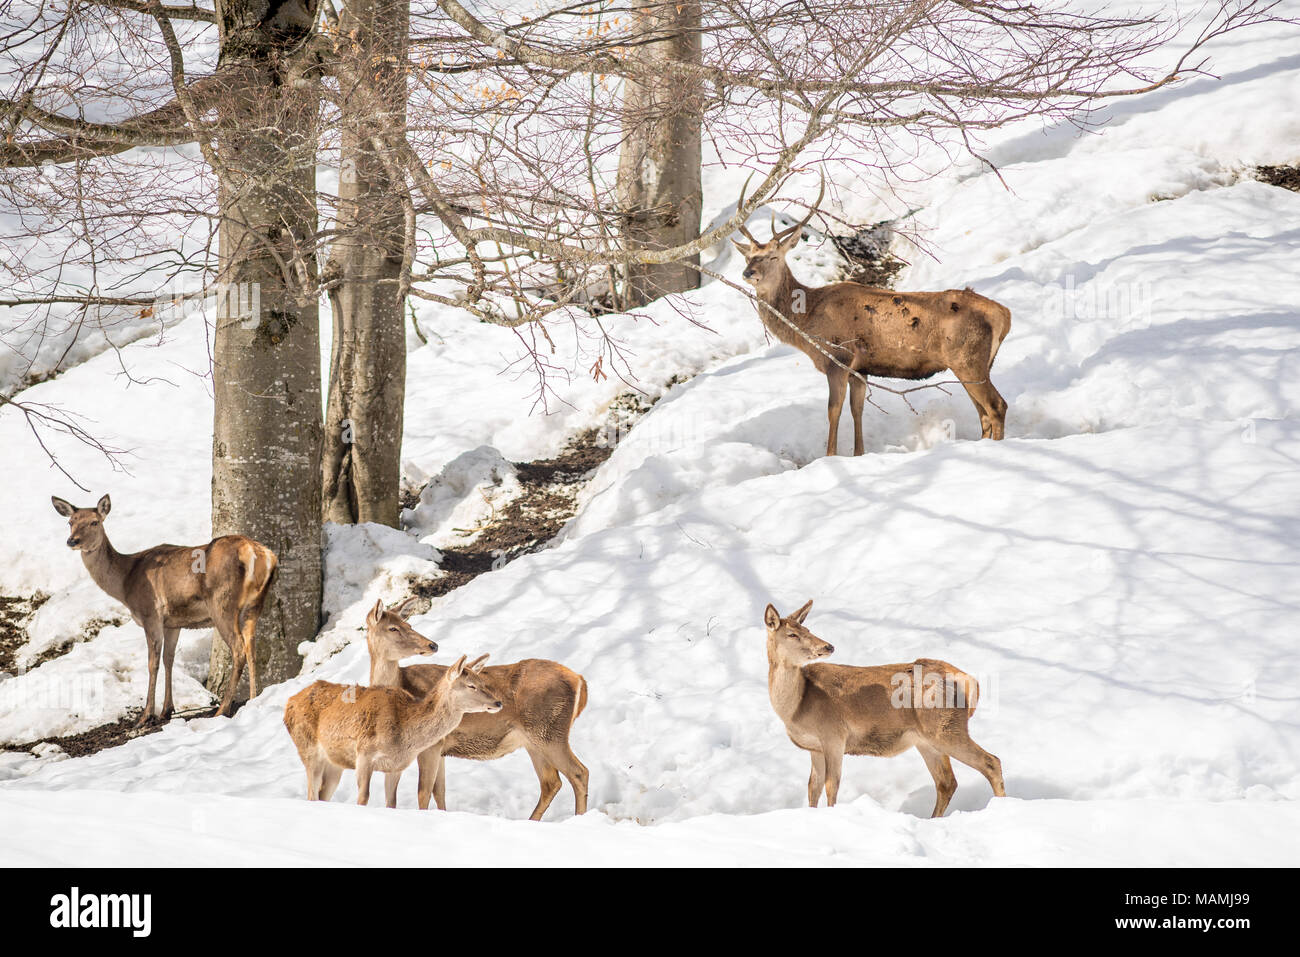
<point>440,783</point>
<point>168,655</point>
<point>836,380</point>
<point>364,769</point>
<point>549,779</point>
<point>390,787</point>
<point>834,760</point>
<point>427,762</point>
<point>998,413</point>
<point>988,402</point>
<point>230,635</point>
<point>945,782</point>
<point>857,397</point>
<point>329,780</point>
<point>315,770</point>
<point>817,779</point>
<point>249,633</point>
<point>153,634</point>
<point>576,773</point>
<point>972,755</point>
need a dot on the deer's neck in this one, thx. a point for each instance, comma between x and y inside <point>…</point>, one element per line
<point>785,687</point>
<point>108,569</point>
<point>383,672</point>
<point>792,299</point>
<point>432,720</point>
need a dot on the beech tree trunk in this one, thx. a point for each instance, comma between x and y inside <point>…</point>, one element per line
<point>266,352</point>
<point>361,464</point>
<point>659,188</point>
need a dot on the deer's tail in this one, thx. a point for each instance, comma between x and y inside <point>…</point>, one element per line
<point>582,699</point>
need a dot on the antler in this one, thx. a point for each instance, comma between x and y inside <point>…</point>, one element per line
<point>743,231</point>
<point>812,211</point>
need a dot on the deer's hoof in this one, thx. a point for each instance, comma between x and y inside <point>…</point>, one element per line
<point>146,719</point>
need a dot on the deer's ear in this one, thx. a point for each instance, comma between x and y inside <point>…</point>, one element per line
<point>373,615</point>
<point>63,508</point>
<point>802,613</point>
<point>456,670</point>
<point>476,665</point>
<point>406,608</point>
<point>791,241</point>
<point>772,618</point>
<point>745,248</point>
<point>104,507</point>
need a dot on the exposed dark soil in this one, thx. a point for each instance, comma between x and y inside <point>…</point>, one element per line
<point>96,739</point>
<point>1288,177</point>
<point>529,521</point>
<point>15,613</point>
<point>113,734</point>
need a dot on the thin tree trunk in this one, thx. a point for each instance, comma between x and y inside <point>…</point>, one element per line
<point>361,464</point>
<point>266,351</point>
<point>659,187</point>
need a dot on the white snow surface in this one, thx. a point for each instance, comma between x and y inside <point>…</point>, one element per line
<point>1119,573</point>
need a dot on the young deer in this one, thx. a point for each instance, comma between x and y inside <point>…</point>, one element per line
<point>221,585</point>
<point>872,331</point>
<point>541,699</point>
<point>379,729</point>
<point>832,710</point>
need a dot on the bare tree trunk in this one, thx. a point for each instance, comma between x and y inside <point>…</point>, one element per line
<point>361,462</point>
<point>266,352</point>
<point>659,187</point>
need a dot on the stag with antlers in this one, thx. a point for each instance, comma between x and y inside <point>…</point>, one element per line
<point>851,331</point>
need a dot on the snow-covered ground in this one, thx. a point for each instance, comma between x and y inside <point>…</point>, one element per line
<point>1119,573</point>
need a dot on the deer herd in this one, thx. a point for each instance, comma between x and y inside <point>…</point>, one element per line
<point>425,713</point>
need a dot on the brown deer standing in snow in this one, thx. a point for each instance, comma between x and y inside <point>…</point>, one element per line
<point>541,700</point>
<point>221,585</point>
<point>379,729</point>
<point>872,331</point>
<point>832,710</point>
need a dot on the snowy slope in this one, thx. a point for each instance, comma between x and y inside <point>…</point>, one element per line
<point>1119,573</point>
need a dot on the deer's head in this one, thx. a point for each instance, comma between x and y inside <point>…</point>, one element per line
<point>389,636</point>
<point>466,687</point>
<point>765,262</point>
<point>86,524</point>
<point>789,642</point>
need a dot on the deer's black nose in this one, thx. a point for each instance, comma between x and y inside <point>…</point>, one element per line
<point>73,543</point>
<point>830,649</point>
<point>433,646</point>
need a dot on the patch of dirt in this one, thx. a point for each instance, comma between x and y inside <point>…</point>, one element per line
<point>530,520</point>
<point>96,739</point>
<point>1288,177</point>
<point>112,734</point>
<point>867,251</point>
<point>15,614</point>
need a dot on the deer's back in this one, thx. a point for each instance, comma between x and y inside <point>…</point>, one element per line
<point>906,335</point>
<point>539,700</point>
<point>885,709</point>
<point>341,719</point>
<point>185,582</point>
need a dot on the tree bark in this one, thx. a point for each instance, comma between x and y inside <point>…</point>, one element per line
<point>659,189</point>
<point>361,464</point>
<point>266,352</point>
